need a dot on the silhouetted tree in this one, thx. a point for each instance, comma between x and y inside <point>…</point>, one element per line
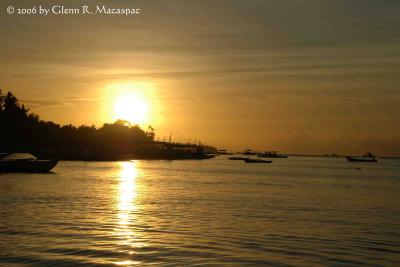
<point>25,131</point>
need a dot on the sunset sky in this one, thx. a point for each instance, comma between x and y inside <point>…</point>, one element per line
<point>304,76</point>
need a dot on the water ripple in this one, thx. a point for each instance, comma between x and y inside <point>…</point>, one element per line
<point>296,212</point>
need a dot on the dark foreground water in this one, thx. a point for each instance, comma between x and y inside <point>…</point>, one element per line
<point>296,211</point>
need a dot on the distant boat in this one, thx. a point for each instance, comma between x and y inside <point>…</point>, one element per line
<point>25,163</point>
<point>368,157</point>
<point>223,152</point>
<point>237,158</point>
<point>249,160</point>
<point>271,154</point>
<point>249,152</point>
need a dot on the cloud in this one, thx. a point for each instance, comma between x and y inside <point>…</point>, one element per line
<point>64,102</point>
<point>32,103</point>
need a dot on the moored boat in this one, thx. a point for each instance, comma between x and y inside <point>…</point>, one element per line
<point>368,157</point>
<point>249,160</point>
<point>249,152</point>
<point>25,163</point>
<point>271,154</point>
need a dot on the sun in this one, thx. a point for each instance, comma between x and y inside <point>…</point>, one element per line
<point>131,107</point>
<point>129,101</point>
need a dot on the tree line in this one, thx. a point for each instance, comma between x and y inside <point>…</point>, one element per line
<point>23,131</point>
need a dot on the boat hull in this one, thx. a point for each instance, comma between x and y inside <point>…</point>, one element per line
<point>272,156</point>
<point>27,166</point>
<point>359,159</point>
<point>257,161</point>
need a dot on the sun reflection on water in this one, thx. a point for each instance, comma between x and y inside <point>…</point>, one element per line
<point>127,188</point>
<point>126,207</point>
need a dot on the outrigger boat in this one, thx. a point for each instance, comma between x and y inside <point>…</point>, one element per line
<point>25,163</point>
<point>368,157</point>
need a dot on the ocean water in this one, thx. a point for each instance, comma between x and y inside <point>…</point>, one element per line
<point>300,211</point>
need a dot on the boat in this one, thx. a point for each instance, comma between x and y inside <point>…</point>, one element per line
<point>237,158</point>
<point>368,157</point>
<point>271,154</point>
<point>223,152</point>
<point>249,152</point>
<point>249,160</point>
<point>25,163</point>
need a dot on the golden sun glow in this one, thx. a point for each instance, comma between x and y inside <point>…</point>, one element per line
<point>131,107</point>
<point>130,101</point>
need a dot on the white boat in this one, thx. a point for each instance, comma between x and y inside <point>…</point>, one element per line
<point>24,162</point>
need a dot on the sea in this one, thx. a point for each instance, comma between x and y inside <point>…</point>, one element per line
<point>299,211</point>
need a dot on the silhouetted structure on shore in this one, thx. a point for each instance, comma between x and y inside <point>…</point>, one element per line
<point>21,131</point>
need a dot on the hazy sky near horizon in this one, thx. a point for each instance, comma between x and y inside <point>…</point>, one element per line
<point>304,76</point>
